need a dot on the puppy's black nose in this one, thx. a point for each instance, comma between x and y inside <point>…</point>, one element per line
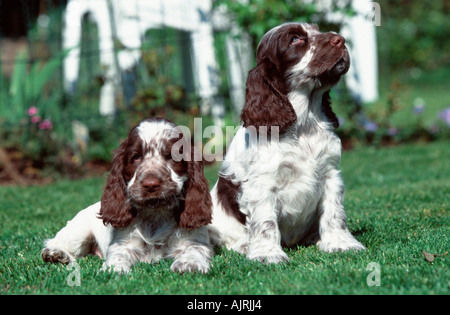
<point>151,183</point>
<point>337,40</point>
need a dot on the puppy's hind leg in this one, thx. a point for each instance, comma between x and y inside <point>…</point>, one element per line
<point>83,235</point>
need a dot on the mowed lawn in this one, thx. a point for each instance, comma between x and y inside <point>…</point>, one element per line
<point>397,201</point>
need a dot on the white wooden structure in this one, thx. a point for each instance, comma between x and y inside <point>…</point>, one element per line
<point>127,21</point>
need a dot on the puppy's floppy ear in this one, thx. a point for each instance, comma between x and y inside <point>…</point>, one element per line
<point>198,204</point>
<point>328,111</point>
<point>266,101</point>
<point>115,209</point>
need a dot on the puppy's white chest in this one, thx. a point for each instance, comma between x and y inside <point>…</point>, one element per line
<point>280,170</point>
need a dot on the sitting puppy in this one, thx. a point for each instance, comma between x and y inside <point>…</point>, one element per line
<point>280,184</point>
<point>152,207</point>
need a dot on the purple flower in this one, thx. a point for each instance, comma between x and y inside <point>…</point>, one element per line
<point>370,126</point>
<point>46,124</point>
<point>392,131</point>
<point>445,116</point>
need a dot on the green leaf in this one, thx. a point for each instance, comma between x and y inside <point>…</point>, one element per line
<point>16,88</point>
<point>41,74</point>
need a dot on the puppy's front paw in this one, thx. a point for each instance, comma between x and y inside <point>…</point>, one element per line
<point>241,247</point>
<point>274,256</point>
<point>121,269</point>
<point>332,248</point>
<point>340,243</point>
<point>183,265</point>
<point>56,256</point>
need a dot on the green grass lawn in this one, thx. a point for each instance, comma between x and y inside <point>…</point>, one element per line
<point>397,202</point>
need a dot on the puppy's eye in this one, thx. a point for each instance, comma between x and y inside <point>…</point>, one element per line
<point>136,157</point>
<point>296,40</point>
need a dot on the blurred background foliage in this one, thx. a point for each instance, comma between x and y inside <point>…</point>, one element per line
<point>414,66</point>
<point>414,34</point>
<point>256,17</point>
<point>414,72</point>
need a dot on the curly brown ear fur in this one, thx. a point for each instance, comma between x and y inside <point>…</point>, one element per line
<point>266,101</point>
<point>328,111</point>
<point>198,204</point>
<point>115,209</point>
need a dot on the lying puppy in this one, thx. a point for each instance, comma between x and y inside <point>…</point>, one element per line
<point>152,208</point>
<point>280,184</point>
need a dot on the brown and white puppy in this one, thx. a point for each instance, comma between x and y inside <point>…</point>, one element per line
<point>280,183</point>
<point>153,207</point>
